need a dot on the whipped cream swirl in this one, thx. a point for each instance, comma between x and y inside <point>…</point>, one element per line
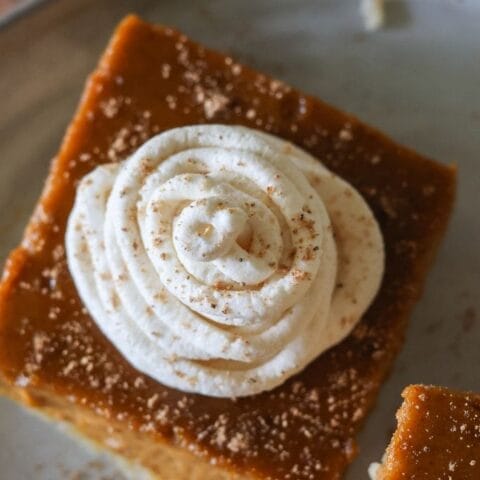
<point>221,260</point>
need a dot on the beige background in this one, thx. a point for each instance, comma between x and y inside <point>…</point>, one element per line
<point>419,80</point>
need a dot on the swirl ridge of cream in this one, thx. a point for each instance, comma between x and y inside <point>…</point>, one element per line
<point>222,260</point>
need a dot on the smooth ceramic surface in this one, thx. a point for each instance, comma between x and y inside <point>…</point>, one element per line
<point>418,80</point>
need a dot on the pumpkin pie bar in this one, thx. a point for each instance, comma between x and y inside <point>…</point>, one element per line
<point>438,436</point>
<point>54,357</point>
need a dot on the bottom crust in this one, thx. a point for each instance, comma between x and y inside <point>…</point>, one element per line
<point>162,461</point>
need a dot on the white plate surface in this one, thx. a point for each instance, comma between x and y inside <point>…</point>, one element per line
<point>418,80</point>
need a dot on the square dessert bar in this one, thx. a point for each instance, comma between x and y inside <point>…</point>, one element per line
<point>54,358</point>
<point>438,436</point>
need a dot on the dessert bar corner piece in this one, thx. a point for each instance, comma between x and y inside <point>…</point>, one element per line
<point>54,358</point>
<point>438,436</point>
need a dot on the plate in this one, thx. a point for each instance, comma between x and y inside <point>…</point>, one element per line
<point>417,79</point>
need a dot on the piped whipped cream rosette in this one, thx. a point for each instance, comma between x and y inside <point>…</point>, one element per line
<point>221,260</point>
